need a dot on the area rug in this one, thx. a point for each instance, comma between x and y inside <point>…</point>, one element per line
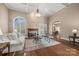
<point>32,44</point>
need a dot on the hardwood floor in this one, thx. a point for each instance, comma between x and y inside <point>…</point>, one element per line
<point>58,50</point>
<point>63,49</point>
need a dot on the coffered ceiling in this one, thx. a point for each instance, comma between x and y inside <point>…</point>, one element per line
<point>46,9</point>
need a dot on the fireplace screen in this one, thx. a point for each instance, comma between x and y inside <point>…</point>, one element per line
<point>32,32</point>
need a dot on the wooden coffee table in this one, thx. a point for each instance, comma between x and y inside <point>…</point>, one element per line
<point>3,46</point>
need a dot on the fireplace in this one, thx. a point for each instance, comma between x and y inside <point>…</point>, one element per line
<point>32,32</point>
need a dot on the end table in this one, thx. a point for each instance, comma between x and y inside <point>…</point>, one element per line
<point>4,46</point>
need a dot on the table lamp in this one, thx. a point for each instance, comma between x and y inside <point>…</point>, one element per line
<point>15,30</point>
<point>74,31</point>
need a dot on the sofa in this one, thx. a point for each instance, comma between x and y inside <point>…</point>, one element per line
<point>16,42</point>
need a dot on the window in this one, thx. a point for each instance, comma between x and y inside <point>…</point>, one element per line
<point>19,23</point>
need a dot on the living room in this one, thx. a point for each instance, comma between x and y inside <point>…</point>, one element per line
<point>39,29</point>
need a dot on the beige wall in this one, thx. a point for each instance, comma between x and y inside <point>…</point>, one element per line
<point>32,21</point>
<point>69,18</point>
<point>7,16</point>
<point>4,18</point>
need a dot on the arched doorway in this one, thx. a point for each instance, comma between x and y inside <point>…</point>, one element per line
<point>20,24</point>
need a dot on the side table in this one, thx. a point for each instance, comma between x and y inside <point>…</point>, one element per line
<point>74,38</point>
<point>3,46</point>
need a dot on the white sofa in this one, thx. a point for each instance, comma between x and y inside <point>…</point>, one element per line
<point>16,44</point>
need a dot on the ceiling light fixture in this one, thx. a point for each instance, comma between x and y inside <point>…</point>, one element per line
<point>37,13</point>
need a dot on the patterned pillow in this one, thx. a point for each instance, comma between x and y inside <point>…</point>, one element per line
<point>18,35</point>
<point>12,37</point>
<point>1,37</point>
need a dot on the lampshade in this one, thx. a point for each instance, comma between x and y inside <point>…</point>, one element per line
<point>15,30</point>
<point>57,29</point>
<point>1,32</point>
<point>74,31</point>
